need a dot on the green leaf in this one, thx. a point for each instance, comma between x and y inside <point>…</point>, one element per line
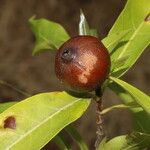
<point>141,98</point>
<point>39,118</point>
<point>49,35</point>
<point>84,28</point>
<point>118,64</point>
<point>111,42</point>
<point>134,141</point>
<point>93,32</point>
<point>132,18</point>
<point>58,139</point>
<point>102,144</point>
<point>141,120</point>
<point>61,142</point>
<point>125,96</point>
<point>4,106</point>
<point>117,143</point>
<point>76,136</point>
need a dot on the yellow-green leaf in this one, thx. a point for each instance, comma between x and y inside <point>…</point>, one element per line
<point>132,18</point>
<point>140,98</point>
<point>49,35</point>
<point>38,119</point>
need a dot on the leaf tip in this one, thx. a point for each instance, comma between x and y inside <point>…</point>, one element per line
<point>82,16</point>
<point>32,18</point>
<point>34,52</point>
<point>81,11</point>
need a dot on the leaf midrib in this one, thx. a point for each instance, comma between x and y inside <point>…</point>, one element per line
<point>130,40</point>
<point>40,124</point>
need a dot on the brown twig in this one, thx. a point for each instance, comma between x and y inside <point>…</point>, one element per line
<point>14,88</point>
<point>99,120</point>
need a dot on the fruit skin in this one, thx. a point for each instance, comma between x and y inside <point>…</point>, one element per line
<point>82,64</point>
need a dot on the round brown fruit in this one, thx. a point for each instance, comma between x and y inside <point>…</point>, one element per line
<point>82,64</point>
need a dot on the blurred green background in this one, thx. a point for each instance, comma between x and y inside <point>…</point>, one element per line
<point>36,74</point>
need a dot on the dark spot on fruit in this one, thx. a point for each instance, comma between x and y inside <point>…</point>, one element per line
<point>147,18</point>
<point>10,122</point>
<point>67,55</point>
